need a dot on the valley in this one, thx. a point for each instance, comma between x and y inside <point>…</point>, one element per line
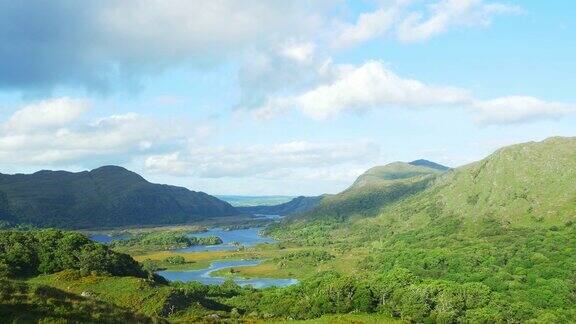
<point>407,242</point>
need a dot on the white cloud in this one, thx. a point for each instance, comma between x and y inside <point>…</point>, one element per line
<point>517,109</point>
<point>269,74</point>
<point>371,85</point>
<point>46,114</point>
<point>300,52</point>
<point>447,14</point>
<point>370,25</point>
<point>409,23</point>
<point>281,160</point>
<point>357,89</point>
<point>365,87</point>
<point>50,132</point>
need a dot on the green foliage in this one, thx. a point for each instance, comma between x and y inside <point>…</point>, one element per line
<point>26,253</point>
<point>164,241</point>
<point>489,242</point>
<point>366,200</point>
<point>24,303</point>
<point>394,171</point>
<point>177,259</point>
<point>306,257</point>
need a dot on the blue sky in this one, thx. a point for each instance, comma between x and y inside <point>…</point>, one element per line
<point>262,97</point>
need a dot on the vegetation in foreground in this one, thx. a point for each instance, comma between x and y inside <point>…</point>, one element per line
<point>22,302</point>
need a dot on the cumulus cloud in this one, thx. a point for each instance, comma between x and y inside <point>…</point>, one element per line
<point>46,114</point>
<point>288,67</point>
<point>358,89</point>
<point>369,86</point>
<point>517,109</point>
<point>93,42</point>
<point>51,132</point>
<point>447,14</point>
<point>275,161</point>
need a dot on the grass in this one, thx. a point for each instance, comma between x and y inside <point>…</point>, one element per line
<point>139,295</point>
<point>22,302</point>
<point>347,319</point>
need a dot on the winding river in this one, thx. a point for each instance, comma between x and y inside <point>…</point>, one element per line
<point>204,275</point>
<point>232,240</point>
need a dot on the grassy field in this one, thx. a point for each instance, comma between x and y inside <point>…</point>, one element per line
<point>349,319</point>
<point>128,292</point>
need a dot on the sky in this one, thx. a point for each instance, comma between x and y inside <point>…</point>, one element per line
<point>265,97</point>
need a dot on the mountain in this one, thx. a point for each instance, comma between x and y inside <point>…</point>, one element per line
<point>503,228</point>
<point>429,164</point>
<point>246,201</point>
<point>397,171</point>
<point>105,197</point>
<point>375,188</point>
<point>528,184</point>
<point>295,206</point>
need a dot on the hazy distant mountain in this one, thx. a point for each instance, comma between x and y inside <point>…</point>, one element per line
<point>104,197</point>
<point>244,201</point>
<point>297,205</point>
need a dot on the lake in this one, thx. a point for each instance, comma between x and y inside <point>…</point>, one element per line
<point>204,275</point>
<point>231,239</point>
<point>106,238</point>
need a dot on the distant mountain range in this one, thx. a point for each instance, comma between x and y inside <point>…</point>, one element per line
<point>245,201</point>
<point>109,196</point>
<point>378,184</point>
<point>297,205</point>
<point>375,188</point>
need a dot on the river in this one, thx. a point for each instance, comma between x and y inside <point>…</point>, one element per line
<point>205,275</point>
<point>232,240</point>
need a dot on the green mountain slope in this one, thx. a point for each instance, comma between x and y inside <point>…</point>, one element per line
<point>395,171</point>
<point>525,185</point>
<point>374,189</point>
<point>105,197</point>
<point>489,242</point>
